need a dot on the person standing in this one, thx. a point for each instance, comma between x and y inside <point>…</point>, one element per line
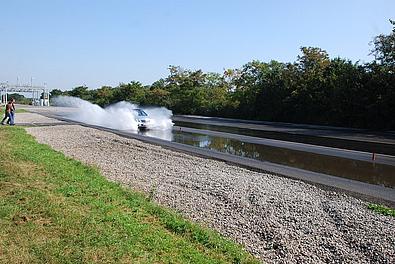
<point>7,112</point>
<point>12,113</point>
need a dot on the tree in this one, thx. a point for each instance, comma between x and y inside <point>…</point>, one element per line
<point>380,82</point>
<point>313,59</point>
<point>272,91</point>
<point>309,95</point>
<point>82,92</point>
<point>384,48</point>
<point>56,92</point>
<point>186,90</point>
<point>104,96</point>
<point>245,82</point>
<point>132,92</point>
<point>19,98</point>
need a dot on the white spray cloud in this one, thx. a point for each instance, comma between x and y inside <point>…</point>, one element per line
<point>117,116</point>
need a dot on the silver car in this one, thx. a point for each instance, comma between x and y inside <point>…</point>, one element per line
<point>142,118</point>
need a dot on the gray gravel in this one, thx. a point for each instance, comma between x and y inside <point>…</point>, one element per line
<point>277,219</point>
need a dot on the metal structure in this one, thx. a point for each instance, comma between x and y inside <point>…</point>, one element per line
<point>40,95</point>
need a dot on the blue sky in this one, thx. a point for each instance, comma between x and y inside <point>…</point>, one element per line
<point>70,43</point>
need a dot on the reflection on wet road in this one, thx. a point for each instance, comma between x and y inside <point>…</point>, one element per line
<point>380,174</point>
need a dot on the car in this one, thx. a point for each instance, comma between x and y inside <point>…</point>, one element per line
<point>142,118</point>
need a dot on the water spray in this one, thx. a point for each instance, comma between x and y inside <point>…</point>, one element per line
<point>120,115</point>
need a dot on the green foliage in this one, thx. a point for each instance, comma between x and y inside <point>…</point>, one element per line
<point>133,92</point>
<point>104,96</point>
<point>54,209</point>
<point>56,92</point>
<point>82,92</point>
<point>381,209</point>
<point>384,48</point>
<point>19,98</point>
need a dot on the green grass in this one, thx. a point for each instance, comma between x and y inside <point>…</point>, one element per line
<point>381,209</point>
<point>18,110</point>
<point>54,209</point>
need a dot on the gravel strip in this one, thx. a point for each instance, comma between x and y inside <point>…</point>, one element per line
<point>277,219</point>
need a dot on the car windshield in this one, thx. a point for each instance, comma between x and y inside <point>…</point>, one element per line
<point>140,112</point>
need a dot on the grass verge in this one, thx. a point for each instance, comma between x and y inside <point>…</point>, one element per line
<point>381,209</point>
<point>18,110</point>
<point>55,209</point>
<point>21,110</point>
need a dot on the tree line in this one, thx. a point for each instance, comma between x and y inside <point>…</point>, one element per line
<point>315,89</point>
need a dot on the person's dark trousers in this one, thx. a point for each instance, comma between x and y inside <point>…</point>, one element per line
<point>7,115</point>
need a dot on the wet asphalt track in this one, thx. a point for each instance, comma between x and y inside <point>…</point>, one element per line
<point>337,137</point>
<point>360,189</point>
